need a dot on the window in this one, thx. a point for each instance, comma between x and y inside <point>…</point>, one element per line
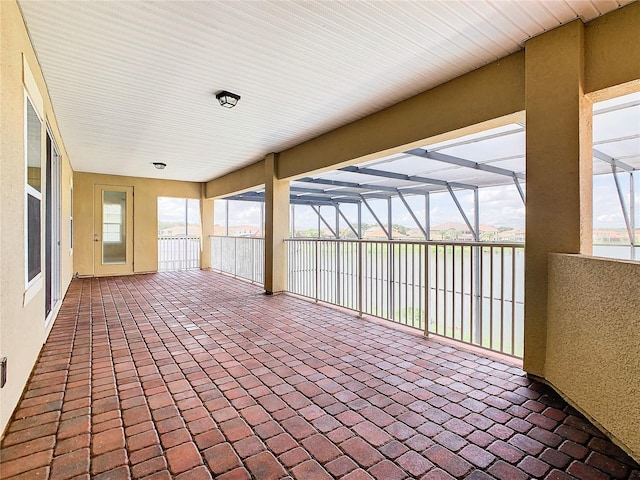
<point>33,193</point>
<point>112,222</point>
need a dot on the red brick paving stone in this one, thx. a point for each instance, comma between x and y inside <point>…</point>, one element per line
<point>148,467</point>
<point>142,440</point>
<point>198,473</point>
<point>294,457</point>
<point>42,472</point>
<point>169,424</point>
<point>477,456</point>
<point>400,431</point>
<point>209,439</point>
<point>350,418</point>
<point>174,438</point>
<point>108,461</point>
<point>478,475</point>
<point>28,448</point>
<point>249,446</point>
<point>526,444</point>
<point>255,415</point>
<point>310,470</point>
<point>358,474</point>
<point>221,458</point>
<point>73,427</point>
<point>377,416</point>
<point>265,466</point>
<point>361,452</point>
<point>450,440</point>
<point>393,449</point>
<point>135,415</point>
<point>340,435</point>
<point>414,463</point>
<point>543,436</point>
<point>607,465</point>
<point>574,450</point>
<point>281,443</point>
<point>437,474</point>
<point>505,451</point>
<point>419,443</point>
<point>572,434</point>
<point>298,427</point>
<point>235,429</point>
<point>144,454</point>
<point>268,430</point>
<point>106,441</point>
<point>120,473</point>
<point>183,458</point>
<point>321,448</point>
<point>201,425</point>
<point>452,463</point>
<point>534,467</point>
<point>341,466</point>
<point>586,472</point>
<point>163,475</point>
<point>239,473</point>
<point>372,434</point>
<point>558,475</point>
<point>387,470</point>
<point>22,465</point>
<point>504,471</point>
<point>69,465</point>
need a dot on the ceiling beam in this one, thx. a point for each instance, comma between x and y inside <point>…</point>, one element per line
<point>408,178</point>
<point>612,161</point>
<point>461,162</point>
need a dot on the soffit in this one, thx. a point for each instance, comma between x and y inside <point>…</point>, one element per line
<point>134,82</point>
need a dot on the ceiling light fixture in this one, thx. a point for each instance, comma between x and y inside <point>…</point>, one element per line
<point>227,99</point>
<point>159,165</point>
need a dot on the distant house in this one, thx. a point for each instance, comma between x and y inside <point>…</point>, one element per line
<point>179,231</point>
<point>513,235</point>
<point>379,233</point>
<point>611,236</point>
<point>450,231</point>
<point>244,231</point>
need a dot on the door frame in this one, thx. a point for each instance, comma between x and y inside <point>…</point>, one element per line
<point>99,267</point>
<point>53,226</point>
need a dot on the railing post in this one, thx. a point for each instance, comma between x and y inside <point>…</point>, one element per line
<point>338,292</point>
<point>317,243</point>
<point>360,281</point>
<point>427,297</point>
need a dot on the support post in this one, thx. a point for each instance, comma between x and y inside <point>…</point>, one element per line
<point>427,216</point>
<point>559,170</point>
<point>206,220</point>
<point>276,195</point>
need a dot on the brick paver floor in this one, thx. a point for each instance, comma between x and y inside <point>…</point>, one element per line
<point>195,375</point>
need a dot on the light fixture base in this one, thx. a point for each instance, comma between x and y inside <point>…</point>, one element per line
<point>159,165</point>
<point>227,99</point>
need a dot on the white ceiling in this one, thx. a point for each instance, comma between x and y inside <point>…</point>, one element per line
<point>133,82</point>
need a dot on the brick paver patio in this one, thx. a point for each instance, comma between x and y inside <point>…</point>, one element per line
<point>195,375</point>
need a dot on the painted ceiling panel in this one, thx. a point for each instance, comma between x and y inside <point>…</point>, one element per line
<point>134,82</point>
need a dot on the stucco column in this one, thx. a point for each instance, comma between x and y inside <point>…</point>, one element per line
<point>276,198</point>
<point>559,170</point>
<point>206,221</point>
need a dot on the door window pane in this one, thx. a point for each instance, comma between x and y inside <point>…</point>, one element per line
<point>114,245</point>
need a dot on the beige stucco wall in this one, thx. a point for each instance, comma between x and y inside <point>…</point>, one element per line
<point>22,326</point>
<point>593,341</point>
<point>145,216</point>
<point>612,50</point>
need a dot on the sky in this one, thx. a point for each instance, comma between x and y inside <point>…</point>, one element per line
<point>499,206</point>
